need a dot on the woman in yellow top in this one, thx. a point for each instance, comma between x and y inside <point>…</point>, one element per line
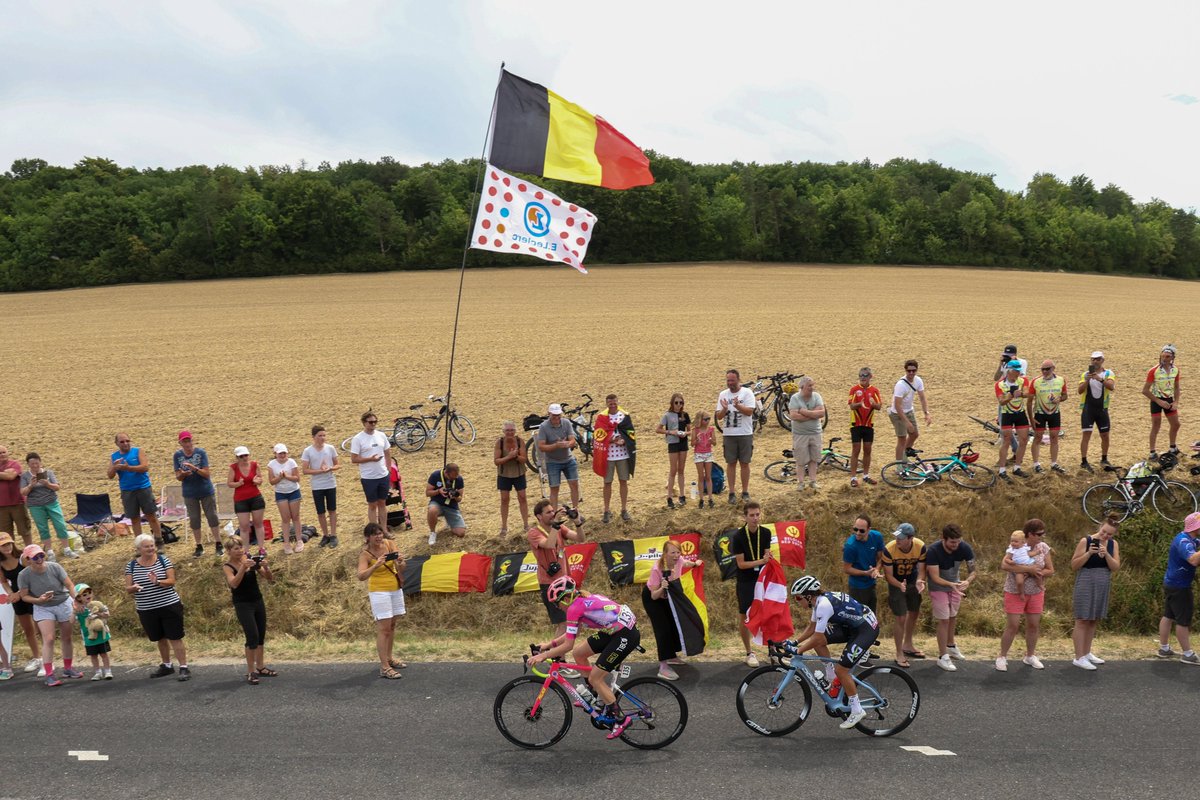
<point>382,567</point>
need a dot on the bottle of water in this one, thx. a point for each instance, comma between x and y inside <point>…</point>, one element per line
<point>822,681</point>
<point>835,687</point>
<point>586,694</point>
<point>695,491</point>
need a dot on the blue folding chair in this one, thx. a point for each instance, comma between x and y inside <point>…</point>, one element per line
<point>93,510</point>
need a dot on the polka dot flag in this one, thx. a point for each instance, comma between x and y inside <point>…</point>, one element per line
<point>516,216</point>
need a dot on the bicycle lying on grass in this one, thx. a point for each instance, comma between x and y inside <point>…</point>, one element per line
<point>1136,488</point>
<point>785,471</point>
<point>775,700</point>
<point>535,711</point>
<point>960,467</point>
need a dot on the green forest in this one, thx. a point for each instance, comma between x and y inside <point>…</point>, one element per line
<point>98,223</point>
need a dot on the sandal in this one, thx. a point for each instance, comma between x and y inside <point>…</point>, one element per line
<point>397,663</point>
<point>902,663</point>
<point>870,481</point>
<point>914,654</point>
<point>252,679</point>
<point>390,674</point>
<point>266,672</point>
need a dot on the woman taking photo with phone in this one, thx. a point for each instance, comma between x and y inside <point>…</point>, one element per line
<point>382,567</point>
<point>1095,560</point>
<point>241,573</point>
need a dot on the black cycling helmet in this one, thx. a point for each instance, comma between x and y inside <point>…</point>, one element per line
<point>805,585</point>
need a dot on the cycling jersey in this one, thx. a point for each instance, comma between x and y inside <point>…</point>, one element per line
<point>598,612</point>
<point>1162,381</point>
<point>834,609</point>
<point>863,416</point>
<point>1047,392</point>
<point>1096,391</point>
<point>1010,402</point>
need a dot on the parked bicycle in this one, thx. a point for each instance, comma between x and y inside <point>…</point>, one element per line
<point>785,471</point>
<point>410,433</point>
<point>772,393</point>
<point>535,711</point>
<point>582,418</point>
<point>1137,488</point>
<point>960,467</point>
<point>775,700</point>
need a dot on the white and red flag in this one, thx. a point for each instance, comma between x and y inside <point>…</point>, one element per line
<point>515,216</point>
<point>769,618</point>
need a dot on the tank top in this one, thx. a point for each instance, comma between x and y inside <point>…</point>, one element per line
<point>1096,561</point>
<point>509,469</point>
<point>10,575</point>
<point>387,578</point>
<point>703,437</point>
<point>247,591</point>
<point>247,490</point>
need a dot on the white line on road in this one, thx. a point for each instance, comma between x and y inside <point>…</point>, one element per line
<point>926,750</point>
<point>87,755</point>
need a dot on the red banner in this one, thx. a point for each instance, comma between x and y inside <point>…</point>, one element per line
<point>790,540</point>
<point>579,558</point>
<point>601,435</point>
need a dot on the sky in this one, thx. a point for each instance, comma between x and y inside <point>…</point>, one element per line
<point>1106,89</point>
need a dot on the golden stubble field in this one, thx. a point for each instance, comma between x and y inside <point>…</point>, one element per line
<point>256,362</point>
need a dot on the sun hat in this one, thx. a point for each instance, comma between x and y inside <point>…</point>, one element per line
<point>1190,524</point>
<point>241,450</point>
<point>555,409</point>
<point>80,588</point>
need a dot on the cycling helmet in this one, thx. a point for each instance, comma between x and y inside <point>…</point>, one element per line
<point>1169,348</point>
<point>559,588</point>
<point>806,584</point>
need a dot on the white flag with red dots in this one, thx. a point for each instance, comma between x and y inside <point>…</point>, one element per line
<point>515,216</point>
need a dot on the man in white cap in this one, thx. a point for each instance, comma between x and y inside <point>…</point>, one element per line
<point>1162,389</point>
<point>1096,386</point>
<point>556,442</point>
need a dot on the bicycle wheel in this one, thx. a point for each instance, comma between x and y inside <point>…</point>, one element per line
<point>835,460</point>
<point>764,713</point>
<point>972,476</point>
<point>781,471</point>
<point>661,713</point>
<point>462,429</point>
<point>760,419</point>
<point>889,696</point>
<point>1173,501</point>
<point>903,475</point>
<point>532,454</point>
<point>346,444</point>
<point>825,419</point>
<point>1103,499</point>
<point>781,413</point>
<point>409,434</point>
<point>513,712</point>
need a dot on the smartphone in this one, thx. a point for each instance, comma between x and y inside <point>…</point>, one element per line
<point>391,557</point>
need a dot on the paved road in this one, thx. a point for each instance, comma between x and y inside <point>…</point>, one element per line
<point>337,730</point>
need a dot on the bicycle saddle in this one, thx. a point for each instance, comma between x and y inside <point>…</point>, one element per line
<point>787,453</point>
<point>911,452</point>
<point>833,440</point>
<point>418,405</point>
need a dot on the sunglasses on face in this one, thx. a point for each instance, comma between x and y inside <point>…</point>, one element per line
<point>38,558</point>
<point>910,370</point>
<point>372,421</point>
<point>859,530</point>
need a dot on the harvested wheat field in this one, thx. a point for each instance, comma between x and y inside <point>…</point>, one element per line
<point>256,362</point>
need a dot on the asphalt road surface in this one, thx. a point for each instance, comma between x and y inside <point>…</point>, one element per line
<point>326,731</point>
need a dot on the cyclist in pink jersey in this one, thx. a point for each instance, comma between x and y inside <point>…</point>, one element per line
<point>616,637</point>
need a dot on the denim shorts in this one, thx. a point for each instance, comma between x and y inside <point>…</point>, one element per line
<point>453,516</point>
<point>557,470</point>
<point>287,497</point>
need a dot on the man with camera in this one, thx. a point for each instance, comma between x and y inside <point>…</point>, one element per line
<point>548,538</point>
<point>445,491</point>
<point>1096,386</point>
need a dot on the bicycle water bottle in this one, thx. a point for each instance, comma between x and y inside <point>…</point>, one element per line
<point>695,491</point>
<point>585,694</point>
<point>822,681</point>
<point>835,687</point>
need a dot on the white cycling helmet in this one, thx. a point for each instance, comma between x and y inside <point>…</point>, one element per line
<point>806,584</point>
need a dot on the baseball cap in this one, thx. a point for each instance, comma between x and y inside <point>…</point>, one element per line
<point>33,550</point>
<point>1014,364</point>
<point>1010,349</point>
<point>904,531</point>
<point>241,450</point>
<point>555,409</point>
<point>185,435</point>
<point>1190,524</point>
<point>281,448</point>
<point>1098,354</point>
<point>81,587</point>
<point>5,537</point>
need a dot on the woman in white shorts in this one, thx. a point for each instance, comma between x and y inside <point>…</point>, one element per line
<point>46,585</point>
<point>382,567</point>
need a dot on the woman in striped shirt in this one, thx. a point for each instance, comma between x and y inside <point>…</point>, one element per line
<point>150,578</point>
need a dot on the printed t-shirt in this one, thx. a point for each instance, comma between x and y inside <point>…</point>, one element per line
<point>864,416</point>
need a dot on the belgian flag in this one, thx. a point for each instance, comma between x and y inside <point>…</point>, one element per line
<point>689,609</point>
<point>538,132</point>
<point>449,572</point>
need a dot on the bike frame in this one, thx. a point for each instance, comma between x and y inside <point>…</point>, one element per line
<point>553,676</point>
<point>798,665</point>
<point>951,462</point>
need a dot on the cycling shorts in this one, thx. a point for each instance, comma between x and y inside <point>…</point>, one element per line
<point>1156,409</point>
<point>857,640</point>
<point>1013,419</point>
<point>615,647</point>
<point>1099,418</point>
<point>861,433</point>
<point>1043,421</point>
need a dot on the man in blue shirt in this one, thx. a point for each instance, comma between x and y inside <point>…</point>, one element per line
<point>1182,560</point>
<point>137,496</point>
<point>862,557</point>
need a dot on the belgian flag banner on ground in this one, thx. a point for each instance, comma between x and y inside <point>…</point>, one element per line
<point>787,543</point>
<point>689,609</point>
<point>629,561</point>
<point>448,572</point>
<point>517,572</point>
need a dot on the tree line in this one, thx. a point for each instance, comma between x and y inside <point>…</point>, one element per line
<point>98,223</point>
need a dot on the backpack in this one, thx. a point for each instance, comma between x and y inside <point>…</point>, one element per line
<point>718,479</point>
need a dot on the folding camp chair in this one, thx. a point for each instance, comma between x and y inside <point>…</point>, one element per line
<point>225,510</point>
<point>171,507</point>
<point>93,511</point>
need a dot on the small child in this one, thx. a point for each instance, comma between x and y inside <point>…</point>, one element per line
<point>703,435</point>
<point>93,627</point>
<point>1018,551</point>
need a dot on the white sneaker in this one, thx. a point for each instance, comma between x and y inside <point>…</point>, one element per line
<point>69,553</point>
<point>1002,664</point>
<point>99,676</point>
<point>432,538</point>
<point>945,663</point>
<point>32,664</point>
<point>42,671</point>
<point>1084,663</point>
<point>751,660</point>
<point>1095,659</point>
<point>954,653</point>
<point>852,720</point>
<point>1034,662</point>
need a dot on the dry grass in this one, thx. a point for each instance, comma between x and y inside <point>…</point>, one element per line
<point>259,361</point>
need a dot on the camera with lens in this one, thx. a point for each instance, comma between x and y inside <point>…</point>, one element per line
<point>571,513</point>
<point>553,569</point>
<point>258,560</point>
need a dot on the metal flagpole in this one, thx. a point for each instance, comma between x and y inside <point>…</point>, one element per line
<point>462,272</point>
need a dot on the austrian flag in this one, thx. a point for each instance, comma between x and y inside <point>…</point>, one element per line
<point>515,216</point>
